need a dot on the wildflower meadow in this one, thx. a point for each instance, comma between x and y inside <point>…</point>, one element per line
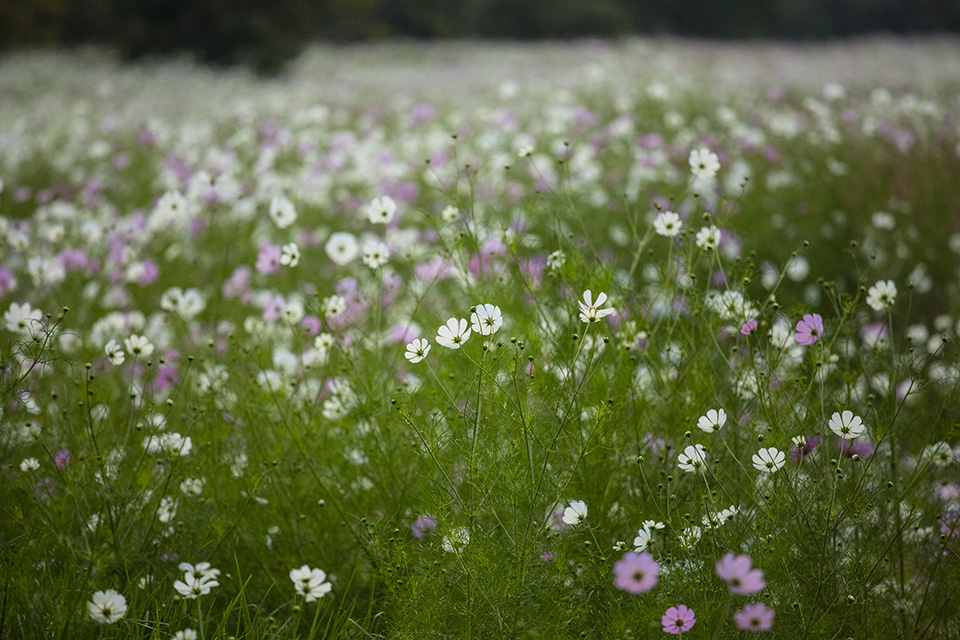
<point>593,340</point>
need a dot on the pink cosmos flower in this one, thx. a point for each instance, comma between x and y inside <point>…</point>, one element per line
<point>678,619</point>
<point>423,525</point>
<point>810,329</point>
<point>748,327</point>
<point>741,579</point>
<point>636,572</point>
<point>268,260</point>
<point>754,617</point>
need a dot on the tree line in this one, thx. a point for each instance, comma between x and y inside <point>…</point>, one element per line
<point>267,34</point>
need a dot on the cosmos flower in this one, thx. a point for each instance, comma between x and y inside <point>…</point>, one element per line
<point>342,247</point>
<point>453,334</point>
<point>882,295</point>
<point>846,425</point>
<point>736,571</point>
<point>106,607</point>
<point>282,212</point>
<point>636,572</point>
<point>417,350</point>
<point>290,255</point>
<point>381,210</point>
<point>769,460</point>
<point>713,420</point>
<point>708,238</point>
<point>486,320</point>
<point>138,346</point>
<point>703,163</point>
<point>809,329</point>
<point>575,512</point>
<point>693,458</point>
<point>678,619</point>
<point>375,254</point>
<point>590,311</point>
<point>310,583</point>
<point>667,224</point>
<point>754,617</point>
<point>114,353</point>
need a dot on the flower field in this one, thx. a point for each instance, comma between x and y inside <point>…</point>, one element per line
<point>552,341</point>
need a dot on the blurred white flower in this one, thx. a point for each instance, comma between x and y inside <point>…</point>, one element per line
<point>667,224</point>
<point>282,212</point>
<point>114,353</point>
<point>310,583</point>
<point>704,163</point>
<point>693,458</point>
<point>381,210</point>
<point>575,512</point>
<point>882,295</point>
<point>107,607</point>
<point>290,255</point>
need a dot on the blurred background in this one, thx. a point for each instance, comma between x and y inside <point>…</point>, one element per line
<point>267,34</point>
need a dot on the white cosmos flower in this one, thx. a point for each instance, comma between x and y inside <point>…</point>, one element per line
<point>882,295</point>
<point>708,238</point>
<point>342,247</point>
<point>453,334</point>
<point>417,350</point>
<point>713,420</point>
<point>486,320</point>
<point>310,583</point>
<point>282,212</point>
<point>193,586</point>
<point>197,580</point>
<point>645,535</point>
<point>590,311</point>
<point>22,319</point>
<point>667,224</point>
<point>846,425</point>
<point>333,305</point>
<point>704,163</point>
<point>375,254</point>
<point>29,464</point>
<point>769,460</point>
<point>106,607</point>
<point>381,210</point>
<point>115,353</point>
<point>138,346</point>
<point>693,458</point>
<point>575,513</point>
<point>457,539</point>
<point>290,254</point>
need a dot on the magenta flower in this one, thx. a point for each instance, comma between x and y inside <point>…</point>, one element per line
<point>636,572</point>
<point>678,619</point>
<point>748,327</point>
<point>809,329</point>
<point>754,617</point>
<point>741,579</point>
<point>62,458</point>
<point>268,260</point>
<point>423,525</point>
